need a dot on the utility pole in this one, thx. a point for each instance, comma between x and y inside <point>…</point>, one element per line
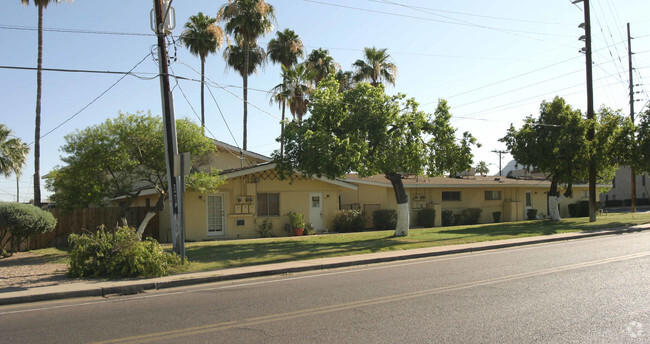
<point>169,123</point>
<point>632,172</point>
<point>590,106</point>
<point>500,152</point>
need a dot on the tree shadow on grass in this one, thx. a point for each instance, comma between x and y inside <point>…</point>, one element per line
<point>232,255</point>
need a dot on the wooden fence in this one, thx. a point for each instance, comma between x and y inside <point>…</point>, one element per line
<point>88,220</point>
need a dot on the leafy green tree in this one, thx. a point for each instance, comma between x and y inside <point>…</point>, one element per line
<point>555,143</point>
<point>42,5</point>
<point>246,20</point>
<point>482,168</point>
<point>321,64</point>
<point>123,157</point>
<point>20,221</point>
<point>13,152</point>
<point>285,50</point>
<point>367,131</point>
<point>376,67</point>
<point>202,37</point>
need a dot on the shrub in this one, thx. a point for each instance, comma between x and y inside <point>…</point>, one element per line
<point>447,218</point>
<point>296,220</point>
<point>384,219</point>
<point>426,217</point>
<point>309,229</point>
<point>574,210</point>
<point>118,253</point>
<point>458,220</point>
<point>346,221</point>
<point>496,216</point>
<point>265,230</point>
<point>614,203</point>
<point>531,214</point>
<point>470,216</point>
<point>20,221</point>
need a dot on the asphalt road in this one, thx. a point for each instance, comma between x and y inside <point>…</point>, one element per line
<point>585,291</point>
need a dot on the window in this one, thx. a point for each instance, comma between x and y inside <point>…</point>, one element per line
<point>451,195</point>
<point>529,199</point>
<point>614,182</point>
<point>268,204</point>
<point>492,195</point>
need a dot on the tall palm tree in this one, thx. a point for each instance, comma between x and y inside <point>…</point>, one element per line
<point>202,37</point>
<point>285,50</point>
<point>345,79</point>
<point>299,89</point>
<point>376,67</point>
<point>41,4</point>
<point>321,64</point>
<point>13,154</point>
<point>237,54</point>
<point>246,20</point>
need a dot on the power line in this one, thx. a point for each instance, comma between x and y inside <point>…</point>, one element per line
<point>456,22</point>
<point>80,31</point>
<point>94,100</point>
<point>64,70</point>
<point>473,15</point>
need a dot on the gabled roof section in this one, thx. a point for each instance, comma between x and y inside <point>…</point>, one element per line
<point>239,150</point>
<point>238,172</point>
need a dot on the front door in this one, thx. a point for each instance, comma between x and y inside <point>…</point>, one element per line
<point>529,204</point>
<point>216,206</point>
<point>316,210</point>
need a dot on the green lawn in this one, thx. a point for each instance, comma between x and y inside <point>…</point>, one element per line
<point>212,255</point>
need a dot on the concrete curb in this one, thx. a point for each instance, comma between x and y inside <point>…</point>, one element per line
<point>128,287</point>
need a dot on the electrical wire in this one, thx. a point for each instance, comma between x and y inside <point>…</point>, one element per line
<point>94,100</point>
<point>472,15</point>
<point>64,70</point>
<point>518,33</point>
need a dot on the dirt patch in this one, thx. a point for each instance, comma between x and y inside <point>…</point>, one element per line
<point>27,270</point>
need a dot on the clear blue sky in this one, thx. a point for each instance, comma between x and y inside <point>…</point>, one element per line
<point>494,61</point>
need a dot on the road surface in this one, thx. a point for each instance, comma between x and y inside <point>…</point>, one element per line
<point>585,291</point>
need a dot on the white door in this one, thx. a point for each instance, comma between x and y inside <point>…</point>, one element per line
<point>529,204</point>
<point>216,206</point>
<point>316,210</point>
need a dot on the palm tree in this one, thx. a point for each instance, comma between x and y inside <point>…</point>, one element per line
<point>285,50</point>
<point>482,168</point>
<point>246,20</point>
<point>298,89</point>
<point>41,4</point>
<point>321,64</point>
<point>234,55</point>
<point>376,67</point>
<point>202,37</point>
<point>13,154</point>
<point>345,79</point>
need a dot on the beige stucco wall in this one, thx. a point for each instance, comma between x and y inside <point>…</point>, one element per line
<point>294,196</point>
<point>512,204</point>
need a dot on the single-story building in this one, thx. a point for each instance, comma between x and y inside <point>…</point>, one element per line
<point>510,196</point>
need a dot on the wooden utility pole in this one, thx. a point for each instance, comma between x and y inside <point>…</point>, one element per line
<point>169,123</point>
<point>500,152</point>
<point>632,172</point>
<point>590,107</point>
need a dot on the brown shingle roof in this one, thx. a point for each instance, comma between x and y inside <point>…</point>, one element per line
<point>472,181</point>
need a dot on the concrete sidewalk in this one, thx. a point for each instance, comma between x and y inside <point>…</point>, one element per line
<point>133,286</point>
